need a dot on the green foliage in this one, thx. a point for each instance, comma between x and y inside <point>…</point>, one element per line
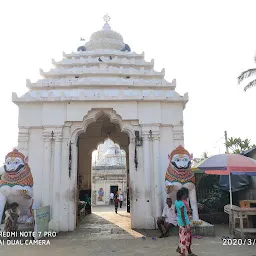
<point>237,145</point>
<point>245,75</point>
<point>213,199</point>
<point>209,181</point>
<point>200,159</point>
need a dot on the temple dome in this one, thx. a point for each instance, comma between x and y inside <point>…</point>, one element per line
<point>112,159</point>
<point>106,38</point>
<point>112,151</point>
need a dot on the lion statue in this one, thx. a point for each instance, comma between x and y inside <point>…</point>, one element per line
<point>178,175</point>
<point>16,185</point>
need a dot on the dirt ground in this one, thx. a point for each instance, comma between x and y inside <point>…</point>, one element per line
<point>105,233</point>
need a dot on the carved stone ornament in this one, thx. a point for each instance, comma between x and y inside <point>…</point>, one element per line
<point>178,136</point>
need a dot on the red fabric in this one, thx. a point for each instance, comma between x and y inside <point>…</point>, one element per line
<point>116,201</point>
<point>186,204</point>
<point>185,242</point>
<point>217,172</point>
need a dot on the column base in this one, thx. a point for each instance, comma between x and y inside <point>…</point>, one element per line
<point>141,222</point>
<point>150,222</point>
<point>54,225</point>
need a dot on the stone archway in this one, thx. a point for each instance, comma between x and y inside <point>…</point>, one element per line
<point>79,129</point>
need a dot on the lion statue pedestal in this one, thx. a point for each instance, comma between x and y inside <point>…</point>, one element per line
<point>16,185</point>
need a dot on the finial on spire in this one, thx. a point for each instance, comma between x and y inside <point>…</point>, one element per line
<point>106,26</point>
<point>106,18</point>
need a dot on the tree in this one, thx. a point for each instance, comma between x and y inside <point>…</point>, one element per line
<point>237,145</point>
<point>200,159</point>
<point>246,74</point>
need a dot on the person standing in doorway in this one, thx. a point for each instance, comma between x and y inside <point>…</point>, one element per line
<point>88,204</point>
<point>111,196</point>
<point>116,202</point>
<point>121,199</point>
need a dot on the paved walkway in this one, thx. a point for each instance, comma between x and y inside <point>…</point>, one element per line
<point>105,233</point>
<point>104,223</point>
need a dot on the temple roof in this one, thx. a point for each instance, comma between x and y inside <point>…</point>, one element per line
<point>112,159</point>
<point>104,68</point>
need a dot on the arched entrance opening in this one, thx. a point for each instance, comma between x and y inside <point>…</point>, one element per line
<point>95,134</point>
<point>109,175</point>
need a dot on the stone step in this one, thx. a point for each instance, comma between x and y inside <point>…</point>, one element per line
<point>206,229</point>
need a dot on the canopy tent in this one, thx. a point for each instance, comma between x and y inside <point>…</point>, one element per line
<point>238,182</point>
<point>227,164</point>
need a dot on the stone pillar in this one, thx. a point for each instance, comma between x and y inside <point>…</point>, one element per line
<point>64,187</point>
<point>105,192</point>
<point>178,135</point>
<point>73,188</point>
<point>132,181</point>
<point>146,166</point>
<point>46,168</point>
<point>147,204</point>
<point>89,174</point>
<point>55,222</point>
<point>157,183</point>
<point>23,140</point>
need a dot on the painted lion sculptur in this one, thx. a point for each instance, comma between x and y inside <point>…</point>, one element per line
<point>179,174</point>
<point>16,185</point>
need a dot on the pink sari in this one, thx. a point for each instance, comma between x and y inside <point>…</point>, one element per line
<point>185,234</point>
<point>187,206</point>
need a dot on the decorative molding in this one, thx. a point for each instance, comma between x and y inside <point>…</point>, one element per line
<point>178,133</point>
<point>145,136</point>
<point>92,117</point>
<point>58,137</point>
<point>23,135</point>
<point>114,61</point>
<point>166,125</point>
<point>178,136</point>
<point>23,140</point>
<point>156,137</point>
<point>106,81</point>
<point>102,52</point>
<point>151,125</point>
<point>102,70</point>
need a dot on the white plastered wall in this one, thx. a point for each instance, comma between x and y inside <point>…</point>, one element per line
<point>41,116</point>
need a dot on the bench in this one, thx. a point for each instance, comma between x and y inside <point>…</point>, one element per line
<point>242,212</point>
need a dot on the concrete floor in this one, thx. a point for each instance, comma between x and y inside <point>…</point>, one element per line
<point>106,233</point>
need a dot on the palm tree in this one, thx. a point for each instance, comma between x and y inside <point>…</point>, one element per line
<point>246,74</point>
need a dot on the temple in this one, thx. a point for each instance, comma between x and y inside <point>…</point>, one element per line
<point>103,90</point>
<point>109,173</point>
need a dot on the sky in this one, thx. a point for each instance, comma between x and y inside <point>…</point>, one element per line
<point>204,45</point>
